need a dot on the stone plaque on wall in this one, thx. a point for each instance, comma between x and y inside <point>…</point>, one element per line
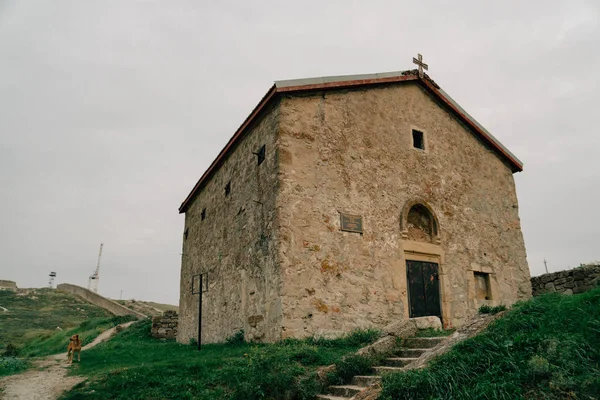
<point>351,223</point>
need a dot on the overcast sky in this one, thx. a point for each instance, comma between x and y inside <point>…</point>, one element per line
<point>111,110</point>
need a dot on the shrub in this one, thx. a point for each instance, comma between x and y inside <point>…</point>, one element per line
<point>485,309</point>
<point>236,338</point>
<point>12,365</point>
<point>11,350</point>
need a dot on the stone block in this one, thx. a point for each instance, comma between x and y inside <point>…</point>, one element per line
<point>569,285</point>
<point>582,289</point>
<point>402,329</point>
<point>580,274</point>
<point>254,320</point>
<point>427,322</point>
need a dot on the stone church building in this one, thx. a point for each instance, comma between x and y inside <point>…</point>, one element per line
<point>351,202</point>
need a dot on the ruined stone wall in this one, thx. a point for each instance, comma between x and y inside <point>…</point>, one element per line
<point>235,245</point>
<point>165,326</point>
<point>577,280</point>
<point>100,301</point>
<point>8,285</point>
<point>352,152</point>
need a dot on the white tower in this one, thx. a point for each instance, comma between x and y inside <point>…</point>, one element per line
<point>51,281</point>
<point>95,277</point>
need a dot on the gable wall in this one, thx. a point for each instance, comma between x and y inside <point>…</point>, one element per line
<point>351,151</point>
<point>235,245</point>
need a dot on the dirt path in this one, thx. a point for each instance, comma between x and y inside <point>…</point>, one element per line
<point>48,379</point>
<point>4,309</point>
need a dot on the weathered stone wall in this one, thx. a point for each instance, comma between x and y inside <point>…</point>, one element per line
<point>165,326</point>
<point>235,245</point>
<point>98,300</point>
<point>8,285</point>
<point>352,152</point>
<point>577,280</point>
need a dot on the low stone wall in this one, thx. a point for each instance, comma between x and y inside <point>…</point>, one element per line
<point>576,280</point>
<point>165,326</point>
<point>8,285</point>
<point>98,300</point>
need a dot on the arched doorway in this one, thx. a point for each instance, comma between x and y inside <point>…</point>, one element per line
<point>419,224</point>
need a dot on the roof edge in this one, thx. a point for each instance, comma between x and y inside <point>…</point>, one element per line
<point>259,107</point>
<point>341,82</point>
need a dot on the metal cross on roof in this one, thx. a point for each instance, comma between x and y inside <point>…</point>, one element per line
<point>421,65</point>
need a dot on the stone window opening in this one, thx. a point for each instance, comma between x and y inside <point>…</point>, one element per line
<point>185,233</point>
<point>203,214</point>
<point>482,286</point>
<point>418,139</point>
<point>261,154</point>
<point>418,223</point>
<point>228,189</point>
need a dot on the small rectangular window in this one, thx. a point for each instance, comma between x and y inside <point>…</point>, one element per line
<point>228,188</point>
<point>203,214</point>
<point>418,140</point>
<point>185,233</point>
<point>261,154</point>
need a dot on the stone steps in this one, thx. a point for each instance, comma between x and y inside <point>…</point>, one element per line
<point>365,380</point>
<point>345,390</point>
<point>397,362</point>
<point>328,397</point>
<point>422,342</point>
<point>411,350</point>
<point>380,370</point>
<point>410,353</point>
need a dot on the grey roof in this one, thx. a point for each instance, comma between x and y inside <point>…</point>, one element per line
<point>339,78</point>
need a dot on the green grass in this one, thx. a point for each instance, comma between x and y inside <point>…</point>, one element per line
<point>36,313</point>
<point>12,365</point>
<point>545,348</point>
<point>134,366</point>
<point>485,309</point>
<point>56,342</point>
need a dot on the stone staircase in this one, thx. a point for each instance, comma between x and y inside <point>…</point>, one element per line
<point>411,350</point>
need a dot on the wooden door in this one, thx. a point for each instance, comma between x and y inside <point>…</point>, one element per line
<point>423,289</point>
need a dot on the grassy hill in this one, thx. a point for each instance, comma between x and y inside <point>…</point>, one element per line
<point>33,312</point>
<point>545,348</point>
<point>33,316</point>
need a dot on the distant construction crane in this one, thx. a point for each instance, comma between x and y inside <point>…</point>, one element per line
<point>95,277</point>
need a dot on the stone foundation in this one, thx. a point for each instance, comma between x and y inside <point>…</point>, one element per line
<point>165,326</point>
<point>577,280</point>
